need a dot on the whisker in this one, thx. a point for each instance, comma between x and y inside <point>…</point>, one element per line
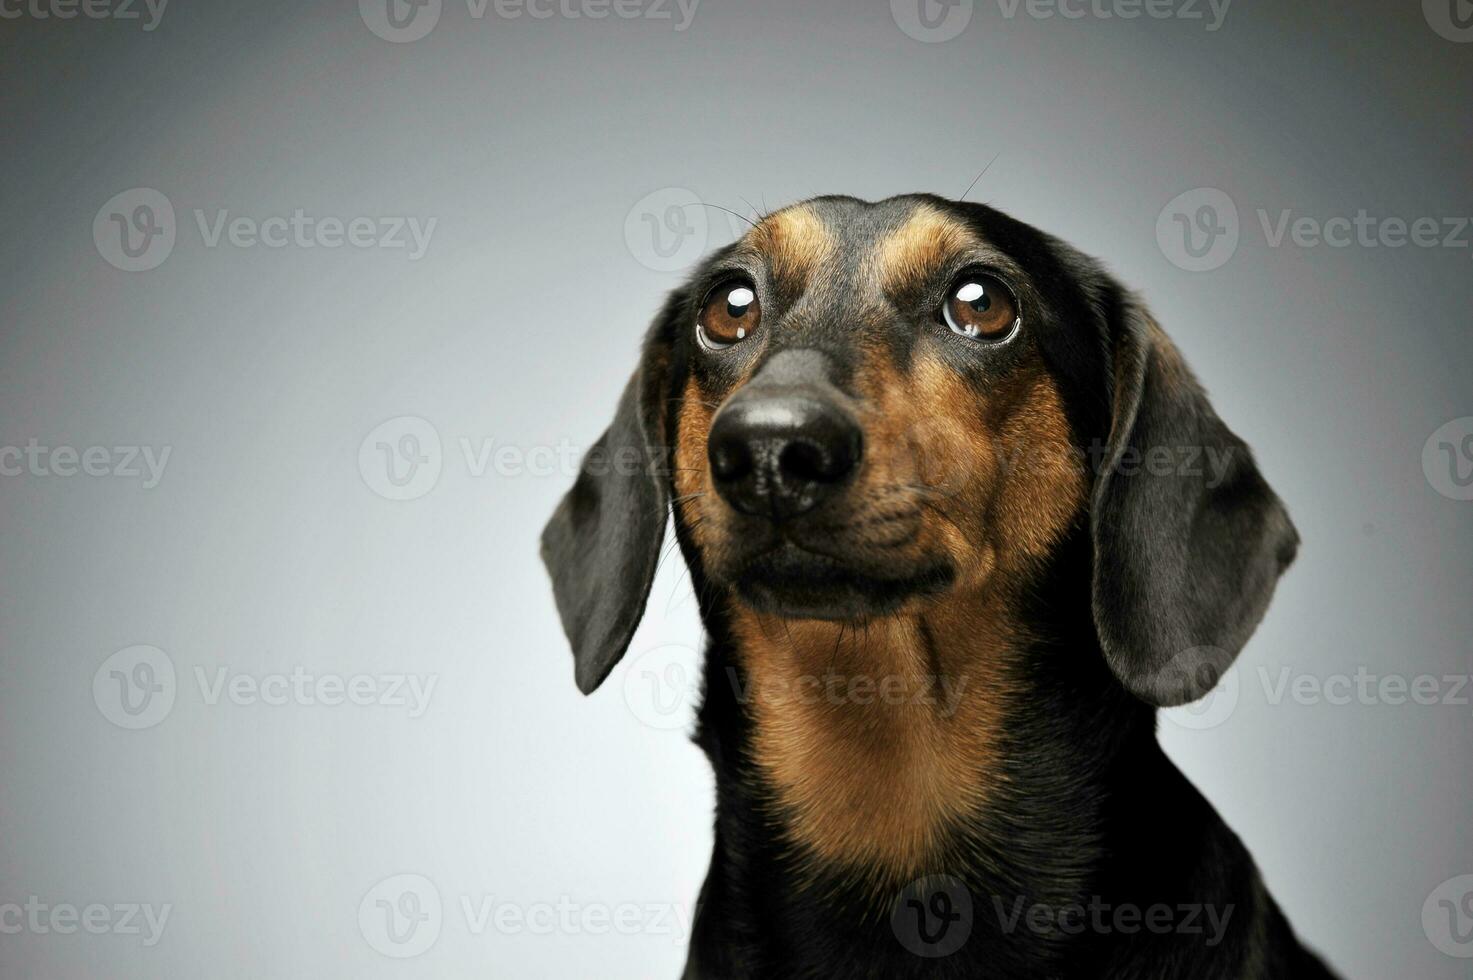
<point>729,211</point>
<point>669,550</point>
<point>673,545</point>
<point>761,215</point>
<point>979,176</point>
<point>834,656</point>
<point>670,603</point>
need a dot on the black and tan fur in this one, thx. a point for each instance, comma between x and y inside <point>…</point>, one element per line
<point>1010,603</point>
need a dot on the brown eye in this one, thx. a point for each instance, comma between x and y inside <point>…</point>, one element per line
<point>981,307</point>
<point>730,315</point>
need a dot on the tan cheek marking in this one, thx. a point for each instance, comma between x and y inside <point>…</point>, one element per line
<point>1045,490</point>
<point>1012,482</point>
<point>962,464</point>
<point>691,479</point>
<point>928,240</point>
<point>795,242</point>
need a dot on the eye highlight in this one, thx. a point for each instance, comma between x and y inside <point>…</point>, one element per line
<point>980,307</point>
<point>730,314</point>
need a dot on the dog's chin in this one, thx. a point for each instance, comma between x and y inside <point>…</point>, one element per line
<point>797,584</point>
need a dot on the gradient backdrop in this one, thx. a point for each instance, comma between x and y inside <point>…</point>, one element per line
<point>298,685</point>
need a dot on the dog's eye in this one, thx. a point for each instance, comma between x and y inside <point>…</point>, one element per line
<point>981,307</point>
<point>730,314</point>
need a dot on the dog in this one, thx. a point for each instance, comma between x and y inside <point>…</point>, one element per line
<point>959,520</point>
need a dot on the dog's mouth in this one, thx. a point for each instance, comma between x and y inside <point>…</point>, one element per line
<point>796,583</point>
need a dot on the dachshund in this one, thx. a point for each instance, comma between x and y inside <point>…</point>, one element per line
<point>959,519</point>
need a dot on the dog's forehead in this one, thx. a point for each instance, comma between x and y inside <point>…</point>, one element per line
<point>873,248</point>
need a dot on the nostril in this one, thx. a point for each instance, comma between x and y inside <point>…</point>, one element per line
<point>820,460</point>
<point>731,459</point>
<point>805,462</point>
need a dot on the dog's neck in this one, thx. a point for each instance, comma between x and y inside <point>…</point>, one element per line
<point>922,742</point>
<point>880,739</point>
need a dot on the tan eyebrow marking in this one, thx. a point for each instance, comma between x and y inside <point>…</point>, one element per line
<point>909,255</point>
<point>795,241</point>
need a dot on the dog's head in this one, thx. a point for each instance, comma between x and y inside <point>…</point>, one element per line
<point>861,409</point>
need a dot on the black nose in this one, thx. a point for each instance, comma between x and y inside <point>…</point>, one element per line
<point>780,455</point>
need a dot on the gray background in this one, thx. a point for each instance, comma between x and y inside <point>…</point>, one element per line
<point>266,546</point>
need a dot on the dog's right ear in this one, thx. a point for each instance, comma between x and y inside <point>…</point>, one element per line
<point>603,541</point>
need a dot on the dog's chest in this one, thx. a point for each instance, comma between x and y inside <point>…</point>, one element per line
<point>878,743</point>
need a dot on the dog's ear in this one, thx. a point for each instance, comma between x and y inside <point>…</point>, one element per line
<point>1189,539</point>
<point>603,541</point>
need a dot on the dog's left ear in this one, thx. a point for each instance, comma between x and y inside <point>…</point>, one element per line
<point>1189,539</point>
<point>603,542</point>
